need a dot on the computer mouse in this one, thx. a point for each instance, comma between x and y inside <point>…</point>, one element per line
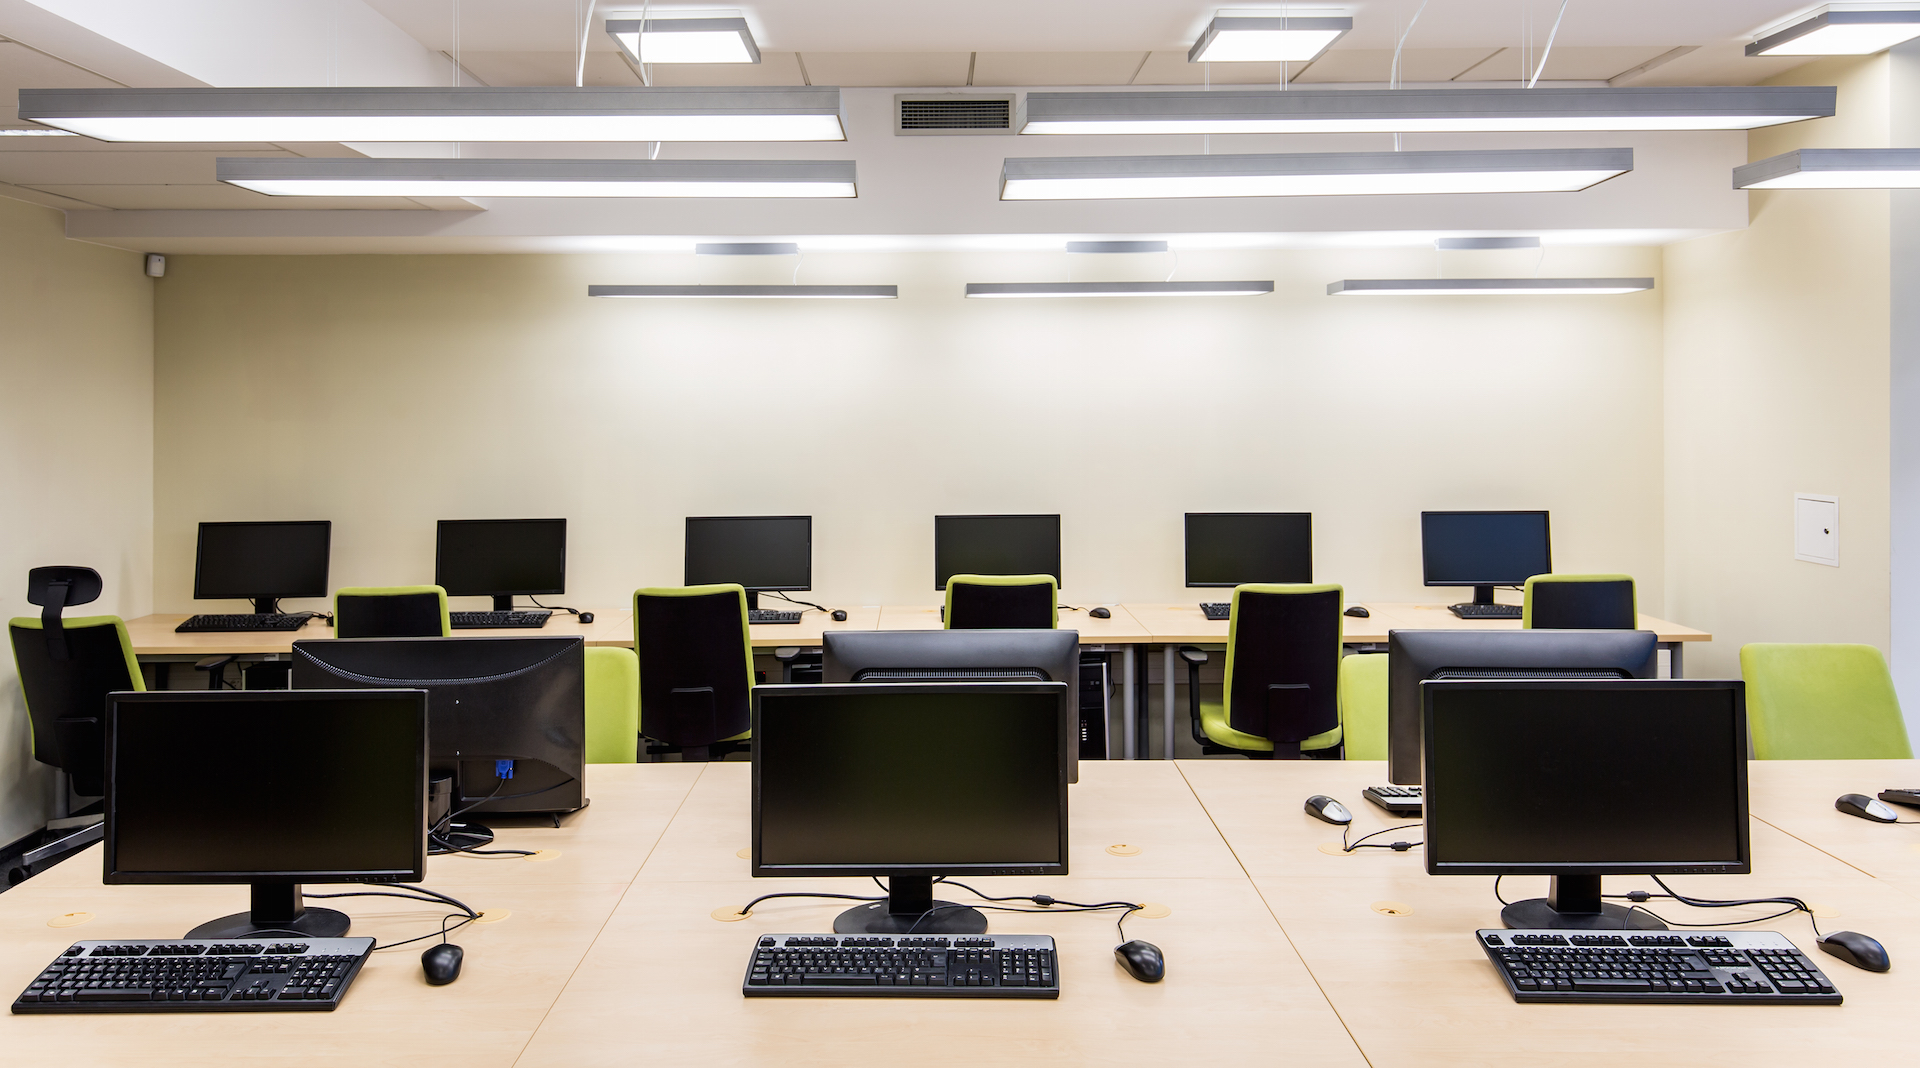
<point>1142,960</point>
<point>1322,807</point>
<point>1099,613</point>
<point>1857,949</point>
<point>839,615</point>
<point>442,963</point>
<point>1359,611</point>
<point>1866,808</point>
<point>586,617</point>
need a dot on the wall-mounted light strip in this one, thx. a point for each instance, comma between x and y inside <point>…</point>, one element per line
<point>479,113</point>
<point>1841,33</point>
<point>355,177</point>
<point>1486,287</point>
<point>1425,110</point>
<point>1118,289</point>
<point>726,40</point>
<point>1271,40</point>
<point>800,292</point>
<point>1833,168</point>
<point>1311,174</point>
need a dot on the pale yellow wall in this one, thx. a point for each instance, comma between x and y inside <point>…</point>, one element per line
<point>1776,383</point>
<point>387,392</point>
<point>76,446</point>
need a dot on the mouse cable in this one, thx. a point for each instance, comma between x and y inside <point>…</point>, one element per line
<point>1397,847</point>
<point>552,607</point>
<point>790,600</point>
<point>467,913</point>
<point>1638,896</point>
<point>1129,906</point>
<point>747,908</point>
<point>1047,902</point>
<point>1069,608</point>
<point>445,844</point>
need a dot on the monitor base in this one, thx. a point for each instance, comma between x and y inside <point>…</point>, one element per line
<point>945,918</point>
<point>458,836</point>
<point>312,923</point>
<point>1535,914</point>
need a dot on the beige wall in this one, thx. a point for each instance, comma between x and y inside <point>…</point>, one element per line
<point>1776,383</point>
<point>76,446</point>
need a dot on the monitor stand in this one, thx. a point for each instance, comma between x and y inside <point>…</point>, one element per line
<point>1573,904</point>
<point>266,606</point>
<point>909,908</point>
<point>503,602</point>
<point>277,910</point>
<point>465,834</point>
<point>1483,595</point>
<point>753,600</point>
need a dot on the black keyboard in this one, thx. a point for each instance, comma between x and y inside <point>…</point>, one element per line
<point>1398,800</point>
<point>243,621</point>
<point>198,975</point>
<point>956,674</point>
<point>1485,611</point>
<point>499,620</point>
<point>1217,610</point>
<point>1901,797</point>
<point>902,966</point>
<point>772,615</point>
<point>1738,967</point>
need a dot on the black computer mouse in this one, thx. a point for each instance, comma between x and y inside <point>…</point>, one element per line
<point>1359,611</point>
<point>839,615</point>
<point>1099,613</point>
<point>1857,949</point>
<point>1142,960</point>
<point>442,963</point>
<point>586,617</point>
<point>1320,806</point>
<point>1866,808</point>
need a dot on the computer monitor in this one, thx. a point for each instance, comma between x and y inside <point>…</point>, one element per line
<point>1484,549</point>
<point>962,656</point>
<point>508,716</point>
<point>1414,656</point>
<point>262,562</point>
<point>1234,548</point>
<point>910,782</point>
<point>272,788</point>
<point>760,552</point>
<point>1576,780</point>
<point>995,545</point>
<point>500,558</point>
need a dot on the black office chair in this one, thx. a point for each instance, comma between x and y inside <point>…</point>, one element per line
<point>391,612</point>
<point>1580,602</point>
<point>1002,602</point>
<point>1281,700</point>
<point>696,669</point>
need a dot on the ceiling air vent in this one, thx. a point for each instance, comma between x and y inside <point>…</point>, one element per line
<point>953,113</point>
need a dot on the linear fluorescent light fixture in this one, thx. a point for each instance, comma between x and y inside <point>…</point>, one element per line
<point>685,40</point>
<point>1478,244</point>
<point>736,292</point>
<point>1269,40</point>
<point>330,177</point>
<point>37,133</point>
<point>1841,33</point>
<point>1118,289</point>
<point>1311,174</point>
<point>468,113</point>
<point>1486,287</point>
<point>1550,109</point>
<point>1111,247</point>
<point>1833,168</point>
<point>746,248</point>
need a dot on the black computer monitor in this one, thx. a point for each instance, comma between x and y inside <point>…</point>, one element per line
<point>1414,656</point>
<point>262,562</point>
<point>1484,549</point>
<point>508,714</point>
<point>995,545</point>
<point>1234,548</point>
<point>760,552</point>
<point>962,656</point>
<point>1576,780</point>
<point>273,788</point>
<point>500,558</point>
<point>909,782</point>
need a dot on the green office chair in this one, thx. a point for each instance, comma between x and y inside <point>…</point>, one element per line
<point>696,669</point>
<point>391,612</point>
<point>1363,706</point>
<point>1822,702</point>
<point>1002,602</point>
<point>1281,699</point>
<point>1580,602</point>
<point>613,705</point>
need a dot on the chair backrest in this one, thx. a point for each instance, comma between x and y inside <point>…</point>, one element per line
<point>1283,661</point>
<point>67,698</point>
<point>1363,706</point>
<point>613,705</point>
<point>391,612</point>
<point>1822,702</point>
<point>696,662</point>
<point>1580,602</point>
<point>1002,602</point>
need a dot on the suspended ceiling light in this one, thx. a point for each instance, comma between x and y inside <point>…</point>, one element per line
<point>31,132</point>
<point>330,177</point>
<point>1833,168</point>
<point>1118,289</point>
<point>1311,174</point>
<point>1473,244</point>
<point>746,248</point>
<point>1485,287</point>
<point>1832,32</point>
<point>800,292</point>
<point>1270,40</point>
<point>1110,247</point>
<point>1426,110</point>
<point>685,40</point>
<point>475,113</point>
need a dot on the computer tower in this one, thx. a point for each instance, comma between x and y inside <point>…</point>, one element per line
<point>1093,706</point>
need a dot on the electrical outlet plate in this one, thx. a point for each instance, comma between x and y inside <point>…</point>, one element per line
<point>1816,529</point>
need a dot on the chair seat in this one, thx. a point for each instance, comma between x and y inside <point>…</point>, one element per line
<point>1213,720</point>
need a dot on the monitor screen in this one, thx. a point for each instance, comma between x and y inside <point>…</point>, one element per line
<point>237,785</point>
<point>262,560</point>
<point>886,779</point>
<point>1233,548</point>
<point>1628,777</point>
<point>497,557</point>
<point>995,545</point>
<point>1484,548</point>
<point>760,552</point>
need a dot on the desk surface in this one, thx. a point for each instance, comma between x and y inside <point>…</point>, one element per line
<point>154,636</point>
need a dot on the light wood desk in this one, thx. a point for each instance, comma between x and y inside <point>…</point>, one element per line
<point>155,640</point>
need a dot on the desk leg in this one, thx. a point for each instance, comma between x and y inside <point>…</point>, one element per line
<point>1128,707</point>
<point>1674,667</point>
<point>1166,699</point>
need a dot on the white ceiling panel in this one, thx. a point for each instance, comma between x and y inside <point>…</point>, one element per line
<point>1376,65</point>
<point>907,69</point>
<point>1172,68</point>
<point>774,68</point>
<point>111,168</point>
<point>1055,68</point>
<point>212,195</point>
<point>1565,63</point>
<point>545,68</point>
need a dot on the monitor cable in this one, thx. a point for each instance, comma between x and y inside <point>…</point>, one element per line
<point>791,600</point>
<point>467,913</point>
<point>1045,901</point>
<point>1397,847</point>
<point>1640,897</point>
<point>552,607</point>
<point>440,833</point>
